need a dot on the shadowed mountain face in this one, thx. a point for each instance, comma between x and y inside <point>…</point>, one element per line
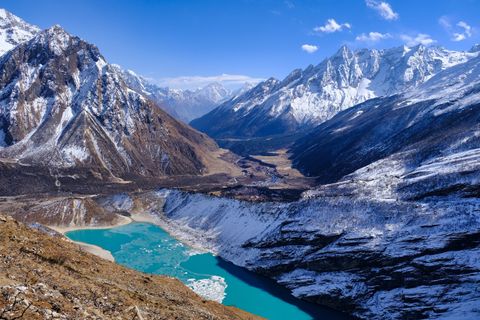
<point>432,130</point>
<point>62,106</point>
<point>306,98</point>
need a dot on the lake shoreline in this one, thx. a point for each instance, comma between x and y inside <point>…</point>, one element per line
<point>122,221</point>
<point>97,250</point>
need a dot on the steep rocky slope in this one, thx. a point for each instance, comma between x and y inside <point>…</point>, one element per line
<point>432,131</point>
<point>62,106</point>
<point>371,257</point>
<point>306,98</point>
<point>48,277</point>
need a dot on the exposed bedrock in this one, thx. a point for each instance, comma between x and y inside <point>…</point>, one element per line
<point>373,259</point>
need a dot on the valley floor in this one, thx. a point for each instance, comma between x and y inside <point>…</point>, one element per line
<point>356,245</point>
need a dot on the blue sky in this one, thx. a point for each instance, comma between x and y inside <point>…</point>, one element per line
<point>201,40</point>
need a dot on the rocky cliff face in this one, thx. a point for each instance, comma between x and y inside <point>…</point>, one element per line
<point>373,258</point>
<point>306,98</point>
<point>62,106</point>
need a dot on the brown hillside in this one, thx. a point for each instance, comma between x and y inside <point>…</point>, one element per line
<point>48,277</point>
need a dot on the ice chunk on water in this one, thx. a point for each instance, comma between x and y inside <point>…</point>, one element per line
<point>210,289</point>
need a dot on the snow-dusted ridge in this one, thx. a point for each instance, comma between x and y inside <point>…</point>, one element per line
<point>428,124</point>
<point>396,235</point>
<point>14,31</point>
<point>306,98</point>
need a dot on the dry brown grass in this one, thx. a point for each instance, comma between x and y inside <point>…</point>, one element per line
<point>44,277</point>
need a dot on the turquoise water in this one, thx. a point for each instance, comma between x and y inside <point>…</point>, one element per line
<point>148,248</point>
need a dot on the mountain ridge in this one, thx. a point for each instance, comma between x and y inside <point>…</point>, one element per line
<point>308,97</point>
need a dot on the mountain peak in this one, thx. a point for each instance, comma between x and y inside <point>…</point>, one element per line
<point>14,31</point>
<point>3,13</point>
<point>78,111</point>
<point>343,52</point>
<point>56,28</point>
<point>475,48</point>
<point>55,31</point>
<point>214,85</point>
<point>58,41</point>
<point>271,80</point>
<point>309,97</point>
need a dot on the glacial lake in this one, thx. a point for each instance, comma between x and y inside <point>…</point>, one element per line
<point>148,248</point>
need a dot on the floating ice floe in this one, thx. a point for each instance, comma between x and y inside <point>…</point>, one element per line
<point>210,289</point>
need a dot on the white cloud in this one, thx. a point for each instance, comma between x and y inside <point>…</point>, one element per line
<point>459,32</point>
<point>467,29</point>
<point>310,48</point>
<point>332,26</point>
<point>194,82</point>
<point>458,37</point>
<point>467,32</point>
<point>383,8</point>
<point>373,36</point>
<point>445,22</point>
<point>420,38</point>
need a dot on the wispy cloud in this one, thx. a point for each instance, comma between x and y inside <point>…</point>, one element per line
<point>444,21</point>
<point>373,36</point>
<point>459,32</point>
<point>310,48</point>
<point>384,9</point>
<point>332,26</point>
<point>289,4</point>
<point>420,38</point>
<point>467,32</point>
<point>193,82</point>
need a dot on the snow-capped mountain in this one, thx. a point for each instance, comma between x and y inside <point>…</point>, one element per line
<point>184,105</point>
<point>63,106</point>
<point>432,131</point>
<point>306,98</point>
<point>14,31</point>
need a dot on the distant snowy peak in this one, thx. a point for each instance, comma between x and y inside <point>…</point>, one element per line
<point>134,81</point>
<point>311,96</point>
<point>14,31</point>
<point>184,105</point>
<point>247,86</point>
<point>214,92</point>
